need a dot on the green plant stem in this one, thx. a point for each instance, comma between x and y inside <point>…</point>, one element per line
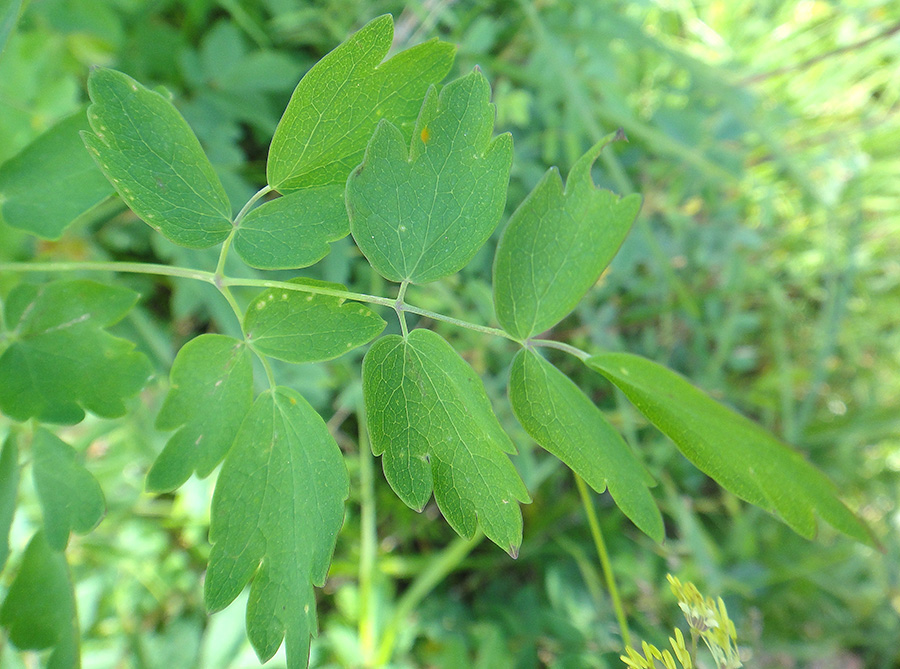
<point>438,568</point>
<point>368,541</point>
<point>561,346</point>
<point>399,307</point>
<point>600,544</point>
<point>262,192</point>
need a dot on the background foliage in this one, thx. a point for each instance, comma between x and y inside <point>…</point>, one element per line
<point>763,266</point>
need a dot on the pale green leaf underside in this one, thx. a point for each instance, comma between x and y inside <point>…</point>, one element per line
<point>9,486</point>
<point>429,416</point>
<point>300,327</point>
<point>71,498</point>
<point>338,103</point>
<point>556,245</point>
<point>736,452</point>
<point>52,181</point>
<point>210,393</point>
<point>39,609</point>
<point>154,161</point>
<point>421,212</point>
<point>561,419</point>
<point>61,361</point>
<point>276,512</point>
<point>293,231</point>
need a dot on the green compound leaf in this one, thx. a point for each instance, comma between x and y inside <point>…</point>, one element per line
<point>421,212</point>
<point>211,391</point>
<point>430,417</point>
<point>39,609</point>
<point>560,418</point>
<point>9,486</point>
<point>61,362</point>
<point>154,161</point>
<point>57,157</point>
<point>736,452</point>
<point>556,245</point>
<point>293,231</point>
<point>276,512</point>
<point>71,498</point>
<point>338,103</point>
<point>304,327</point>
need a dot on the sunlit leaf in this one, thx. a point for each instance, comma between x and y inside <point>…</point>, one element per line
<point>210,393</point>
<point>561,419</point>
<point>736,452</point>
<point>555,246</point>
<point>57,157</point>
<point>61,361</point>
<point>277,509</point>
<point>431,420</point>
<point>70,496</point>
<point>337,105</point>
<point>154,161</point>
<point>304,327</point>
<point>420,212</point>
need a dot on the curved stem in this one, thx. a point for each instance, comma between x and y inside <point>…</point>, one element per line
<point>561,346</point>
<point>262,192</point>
<point>399,307</point>
<point>600,544</point>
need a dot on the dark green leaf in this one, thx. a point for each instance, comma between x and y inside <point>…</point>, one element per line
<point>736,452</point>
<point>430,417</point>
<point>337,105</point>
<point>39,609</point>
<point>560,418</point>
<point>276,512</point>
<point>56,158</point>
<point>210,393</point>
<point>557,243</point>
<point>70,496</point>
<point>293,231</point>
<point>154,161</point>
<point>420,212</point>
<point>9,486</point>
<point>61,362</point>
<point>304,327</point>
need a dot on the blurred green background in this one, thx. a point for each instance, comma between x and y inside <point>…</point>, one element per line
<point>764,139</point>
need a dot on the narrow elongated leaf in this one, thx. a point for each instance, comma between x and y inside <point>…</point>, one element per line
<point>57,157</point>
<point>736,452</point>
<point>276,512</point>
<point>9,486</point>
<point>305,327</point>
<point>556,245</point>
<point>431,420</point>
<point>211,391</point>
<point>9,14</point>
<point>561,419</point>
<point>70,496</point>
<point>154,161</point>
<point>420,212</point>
<point>39,609</point>
<point>293,231</point>
<point>337,105</point>
<point>61,361</point>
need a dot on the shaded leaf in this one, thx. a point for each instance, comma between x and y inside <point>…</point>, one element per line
<point>556,245</point>
<point>154,161</point>
<point>304,327</point>
<point>9,14</point>
<point>560,418</point>
<point>52,181</point>
<point>39,609</point>
<point>430,417</point>
<point>420,212</point>
<point>293,231</point>
<point>338,103</point>
<point>9,486</point>
<point>61,361</point>
<point>71,498</point>
<point>276,512</point>
<point>736,452</point>
<point>210,393</point>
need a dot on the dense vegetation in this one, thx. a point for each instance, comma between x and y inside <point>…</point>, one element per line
<point>762,266</point>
